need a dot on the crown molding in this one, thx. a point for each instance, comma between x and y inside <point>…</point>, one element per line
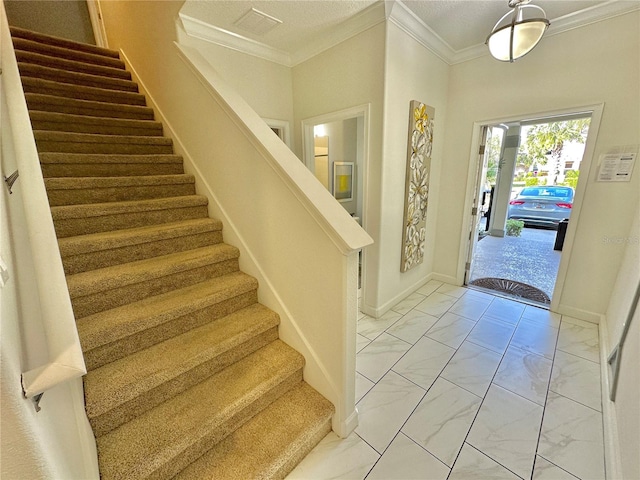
<point>207,32</point>
<point>396,12</point>
<point>362,21</point>
<point>406,20</point>
<point>588,16</point>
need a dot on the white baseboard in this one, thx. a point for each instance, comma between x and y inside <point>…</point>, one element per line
<point>613,462</point>
<point>344,429</point>
<point>378,311</point>
<point>585,315</point>
<point>445,279</point>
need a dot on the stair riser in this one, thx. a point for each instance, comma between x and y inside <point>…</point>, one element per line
<point>77,92</point>
<point>115,194</point>
<point>69,54</point>
<point>116,297</point>
<point>71,66</point>
<point>173,466</point>
<point>152,130</point>
<point>44,39</point>
<point>116,417</point>
<point>93,109</point>
<point>117,256</point>
<point>102,355</point>
<point>69,227</point>
<point>56,75</point>
<point>109,170</point>
<point>102,148</point>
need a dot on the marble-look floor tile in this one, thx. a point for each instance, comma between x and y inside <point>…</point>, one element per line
<point>442,420</point>
<point>471,292</point>
<point>535,338</point>
<point>429,287</point>
<point>472,368</point>
<point>474,465</point>
<point>436,304</point>
<point>577,378</point>
<point>378,357</point>
<point>424,362</point>
<point>451,330</point>
<point>452,290</point>
<point>525,374</point>
<point>363,385</point>
<point>370,327</point>
<point>545,470</point>
<point>408,303</point>
<point>361,342</point>
<point>470,307</point>
<point>412,326</point>
<point>542,316</point>
<point>337,458</point>
<point>404,460</point>
<point>579,338</point>
<point>572,438</point>
<point>506,429</point>
<point>492,334</point>
<point>505,310</point>
<point>383,411</point>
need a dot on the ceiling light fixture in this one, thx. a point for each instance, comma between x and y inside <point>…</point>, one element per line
<point>511,40</point>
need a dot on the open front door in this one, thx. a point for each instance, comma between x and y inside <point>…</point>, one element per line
<point>476,213</point>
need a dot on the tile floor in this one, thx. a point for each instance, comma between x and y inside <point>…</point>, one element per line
<point>457,384</point>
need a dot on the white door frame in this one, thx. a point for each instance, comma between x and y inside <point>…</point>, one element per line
<point>95,14</point>
<point>586,166</point>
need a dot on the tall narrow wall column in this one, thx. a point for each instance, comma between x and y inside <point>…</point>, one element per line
<point>502,192</point>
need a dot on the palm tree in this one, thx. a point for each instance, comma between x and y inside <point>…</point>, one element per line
<point>548,139</point>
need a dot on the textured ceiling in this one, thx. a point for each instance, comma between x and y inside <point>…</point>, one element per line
<point>460,24</point>
<point>465,23</point>
<point>303,21</point>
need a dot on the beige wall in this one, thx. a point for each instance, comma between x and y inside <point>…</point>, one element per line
<point>265,85</point>
<point>590,65</point>
<point>412,73</point>
<point>626,407</point>
<point>62,18</point>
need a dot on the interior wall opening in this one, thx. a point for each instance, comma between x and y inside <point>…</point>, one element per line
<point>335,150</point>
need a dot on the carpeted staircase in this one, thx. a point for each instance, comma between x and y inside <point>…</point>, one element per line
<point>186,376</point>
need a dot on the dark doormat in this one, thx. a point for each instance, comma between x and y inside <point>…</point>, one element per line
<point>511,287</point>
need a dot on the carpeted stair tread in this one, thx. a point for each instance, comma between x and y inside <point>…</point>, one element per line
<point>71,65</point>
<point>121,390</point>
<point>80,92</point>
<point>68,142</point>
<point>66,122</point>
<point>51,103</point>
<point>164,440</point>
<point>109,335</point>
<point>17,32</point>
<point>99,250</point>
<point>98,290</point>
<point>72,220</point>
<point>76,78</point>
<point>76,191</point>
<point>272,443</point>
<point>56,164</point>
<point>27,45</point>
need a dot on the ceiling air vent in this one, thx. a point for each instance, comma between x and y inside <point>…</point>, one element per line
<point>257,22</point>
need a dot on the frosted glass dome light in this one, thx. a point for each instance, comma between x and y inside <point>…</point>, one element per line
<point>513,39</point>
